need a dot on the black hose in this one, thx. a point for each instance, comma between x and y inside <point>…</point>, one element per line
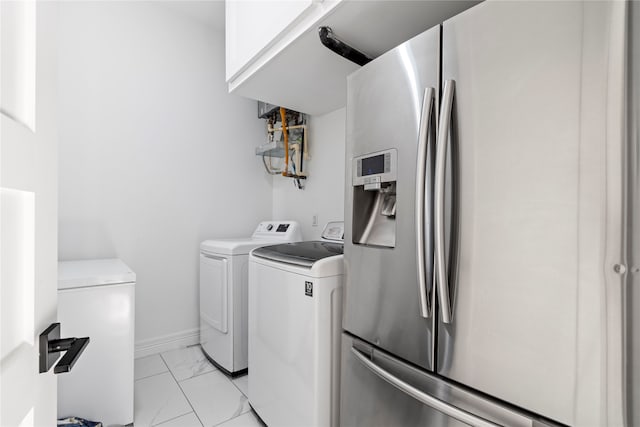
<point>330,41</point>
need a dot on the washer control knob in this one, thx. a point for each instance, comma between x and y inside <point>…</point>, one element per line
<point>269,227</point>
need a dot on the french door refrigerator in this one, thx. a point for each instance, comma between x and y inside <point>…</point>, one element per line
<point>487,222</point>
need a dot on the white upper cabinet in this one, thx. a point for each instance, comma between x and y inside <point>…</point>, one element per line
<point>274,53</point>
<point>253,25</point>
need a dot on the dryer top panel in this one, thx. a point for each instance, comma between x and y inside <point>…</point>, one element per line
<point>234,246</point>
<point>267,233</point>
<point>93,272</point>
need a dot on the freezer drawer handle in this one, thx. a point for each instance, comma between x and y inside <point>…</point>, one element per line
<point>51,345</point>
<point>423,206</point>
<point>433,402</point>
<point>441,157</point>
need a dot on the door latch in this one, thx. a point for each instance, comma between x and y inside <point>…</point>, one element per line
<point>51,345</point>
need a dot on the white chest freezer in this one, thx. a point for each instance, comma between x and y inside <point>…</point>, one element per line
<point>96,300</point>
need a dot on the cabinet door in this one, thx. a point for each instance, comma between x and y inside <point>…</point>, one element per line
<point>214,291</point>
<point>251,26</point>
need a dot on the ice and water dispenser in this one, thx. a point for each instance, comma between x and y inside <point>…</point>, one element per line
<point>374,198</point>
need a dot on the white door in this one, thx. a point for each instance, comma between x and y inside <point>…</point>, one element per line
<point>214,291</point>
<point>28,205</point>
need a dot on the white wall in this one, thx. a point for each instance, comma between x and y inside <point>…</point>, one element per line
<point>324,191</point>
<point>155,156</point>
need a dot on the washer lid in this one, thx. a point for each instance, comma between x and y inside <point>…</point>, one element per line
<point>94,272</point>
<point>233,246</point>
<point>304,254</point>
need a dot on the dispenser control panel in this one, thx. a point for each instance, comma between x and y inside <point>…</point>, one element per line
<point>375,168</point>
<point>378,164</point>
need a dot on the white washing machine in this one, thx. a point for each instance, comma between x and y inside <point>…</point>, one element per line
<point>295,312</point>
<point>223,292</point>
<point>96,299</point>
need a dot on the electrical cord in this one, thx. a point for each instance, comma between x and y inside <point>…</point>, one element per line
<point>296,182</point>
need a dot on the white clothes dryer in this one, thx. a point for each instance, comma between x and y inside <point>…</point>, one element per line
<point>295,315</point>
<point>223,292</point>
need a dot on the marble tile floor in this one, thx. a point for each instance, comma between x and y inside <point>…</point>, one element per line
<point>180,388</point>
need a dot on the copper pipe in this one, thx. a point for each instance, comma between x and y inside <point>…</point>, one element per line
<point>283,118</point>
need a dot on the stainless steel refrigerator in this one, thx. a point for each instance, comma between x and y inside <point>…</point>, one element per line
<point>490,243</point>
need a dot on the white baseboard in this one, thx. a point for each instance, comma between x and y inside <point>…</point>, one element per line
<point>167,342</point>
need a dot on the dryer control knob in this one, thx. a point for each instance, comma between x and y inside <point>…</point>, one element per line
<point>269,227</point>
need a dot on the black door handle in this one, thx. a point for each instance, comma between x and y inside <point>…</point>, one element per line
<point>51,345</point>
<point>71,356</point>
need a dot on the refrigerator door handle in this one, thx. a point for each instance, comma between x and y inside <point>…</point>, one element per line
<point>441,157</point>
<point>424,132</point>
<point>426,399</point>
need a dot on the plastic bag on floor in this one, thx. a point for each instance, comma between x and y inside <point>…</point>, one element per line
<point>78,422</point>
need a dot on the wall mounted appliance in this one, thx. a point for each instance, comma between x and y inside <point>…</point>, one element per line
<point>223,292</point>
<point>486,240</point>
